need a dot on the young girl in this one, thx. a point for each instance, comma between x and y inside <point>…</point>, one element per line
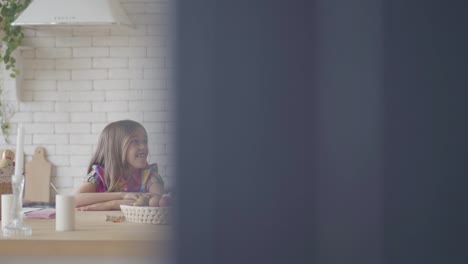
<point>119,172</point>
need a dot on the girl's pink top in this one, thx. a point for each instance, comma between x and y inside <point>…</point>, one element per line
<point>140,181</point>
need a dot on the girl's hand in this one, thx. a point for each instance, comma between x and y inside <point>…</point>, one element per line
<point>131,196</point>
<point>135,196</point>
<point>105,206</point>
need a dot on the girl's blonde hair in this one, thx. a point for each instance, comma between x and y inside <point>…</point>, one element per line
<point>111,150</point>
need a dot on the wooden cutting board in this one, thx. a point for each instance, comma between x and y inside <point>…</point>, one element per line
<point>37,178</point>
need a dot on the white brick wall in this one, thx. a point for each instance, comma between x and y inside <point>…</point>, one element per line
<point>75,80</point>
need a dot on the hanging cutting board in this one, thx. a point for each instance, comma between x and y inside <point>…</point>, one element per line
<point>37,178</point>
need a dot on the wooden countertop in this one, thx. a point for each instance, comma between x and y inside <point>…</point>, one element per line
<point>93,236</point>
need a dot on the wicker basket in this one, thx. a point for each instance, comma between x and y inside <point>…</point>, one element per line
<point>147,215</point>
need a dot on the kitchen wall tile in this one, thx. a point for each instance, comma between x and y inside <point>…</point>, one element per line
<point>50,117</point>
<point>148,19</point>
<point>157,149</point>
<point>28,53</point>
<point>157,7</point>
<point>72,128</point>
<point>123,95</point>
<point>154,127</point>
<point>151,74</point>
<point>91,31</point>
<point>73,149</point>
<point>25,96</point>
<point>125,74</point>
<point>157,117</point>
<point>160,138</point>
<point>110,41</point>
<point>22,117</point>
<point>159,159</point>
<point>156,106</point>
<point>83,139</point>
<point>109,63</point>
<point>27,74</point>
<point>73,64</point>
<point>52,75</point>
<point>51,96</point>
<point>116,106</point>
<point>39,85</point>
<point>136,30</point>
<point>148,41</point>
<point>96,128</point>
<point>50,139</point>
<point>38,42</point>
<point>58,160</point>
<point>80,160</point>
<point>111,85</point>
<point>94,74</point>
<point>62,172</point>
<point>134,8</point>
<point>146,63</point>
<point>154,84</point>
<point>73,41</point>
<point>88,117</point>
<point>52,53</point>
<point>156,95</point>
<point>72,106</point>
<point>74,85</point>
<point>91,52</point>
<point>87,96</point>
<point>36,107</point>
<point>127,52</point>
<point>115,116</point>
<point>58,31</point>
<point>29,32</point>
<point>39,128</point>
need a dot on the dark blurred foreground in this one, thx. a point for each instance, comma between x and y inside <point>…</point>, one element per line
<point>321,131</point>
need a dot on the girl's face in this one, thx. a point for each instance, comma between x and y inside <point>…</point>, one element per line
<point>137,151</point>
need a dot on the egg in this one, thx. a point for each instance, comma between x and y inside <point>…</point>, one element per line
<point>165,201</point>
<point>142,201</point>
<point>154,201</point>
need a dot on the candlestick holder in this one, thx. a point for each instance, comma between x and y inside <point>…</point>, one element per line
<point>17,227</point>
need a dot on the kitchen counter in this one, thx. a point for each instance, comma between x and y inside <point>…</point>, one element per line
<point>93,236</point>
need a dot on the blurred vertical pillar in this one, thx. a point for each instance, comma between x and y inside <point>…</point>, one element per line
<point>246,152</point>
<point>426,149</point>
<point>349,190</point>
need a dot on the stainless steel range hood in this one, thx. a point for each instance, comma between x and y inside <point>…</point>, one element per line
<point>73,13</point>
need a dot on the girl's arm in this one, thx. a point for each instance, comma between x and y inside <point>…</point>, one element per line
<point>106,206</point>
<point>87,195</point>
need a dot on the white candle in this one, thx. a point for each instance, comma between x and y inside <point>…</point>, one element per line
<point>64,212</point>
<point>7,202</point>
<point>19,152</point>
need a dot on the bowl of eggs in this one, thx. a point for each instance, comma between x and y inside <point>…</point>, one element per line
<point>149,210</point>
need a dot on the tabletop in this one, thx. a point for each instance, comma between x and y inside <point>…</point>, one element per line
<point>93,236</point>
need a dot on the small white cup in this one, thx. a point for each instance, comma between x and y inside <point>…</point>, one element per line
<point>64,212</point>
<point>7,203</point>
